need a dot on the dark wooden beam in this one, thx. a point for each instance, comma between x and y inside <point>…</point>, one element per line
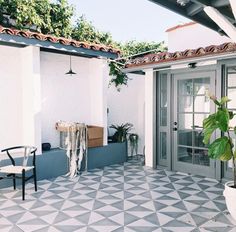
<point>219,3</point>
<point>202,2</point>
<point>173,6</point>
<point>194,9</point>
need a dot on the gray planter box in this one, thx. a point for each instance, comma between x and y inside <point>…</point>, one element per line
<point>54,163</point>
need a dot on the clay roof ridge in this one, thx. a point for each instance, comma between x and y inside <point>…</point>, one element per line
<point>181,55</point>
<point>53,39</point>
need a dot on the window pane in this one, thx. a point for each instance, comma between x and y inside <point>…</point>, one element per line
<point>163,145</point>
<point>163,117</point>
<point>185,121</point>
<point>198,138</point>
<point>163,98</point>
<point>198,120</point>
<point>201,86</point>
<point>163,81</point>
<point>185,104</point>
<point>185,154</point>
<point>185,137</point>
<point>232,97</point>
<point>185,87</point>
<point>232,77</point>
<point>201,104</point>
<point>200,157</point>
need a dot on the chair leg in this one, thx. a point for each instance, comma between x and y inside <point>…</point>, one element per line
<point>35,180</point>
<point>23,184</point>
<point>14,181</point>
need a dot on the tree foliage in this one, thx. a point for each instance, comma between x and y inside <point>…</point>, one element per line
<point>86,31</point>
<point>40,15</point>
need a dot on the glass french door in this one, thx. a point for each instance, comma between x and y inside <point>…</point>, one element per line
<point>190,108</point>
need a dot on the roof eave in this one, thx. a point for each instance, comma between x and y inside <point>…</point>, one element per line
<point>18,40</point>
<point>134,68</point>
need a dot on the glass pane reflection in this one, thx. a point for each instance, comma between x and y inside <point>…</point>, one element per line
<point>185,121</point>
<point>185,104</point>
<point>232,97</point>
<point>201,104</point>
<point>200,157</point>
<point>201,86</point>
<point>163,117</point>
<point>185,137</point>
<point>163,145</point>
<point>185,87</point>
<point>185,154</point>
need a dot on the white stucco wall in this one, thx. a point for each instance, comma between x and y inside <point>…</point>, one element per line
<point>128,106</point>
<point>19,97</point>
<point>193,36</point>
<point>10,97</point>
<point>77,98</point>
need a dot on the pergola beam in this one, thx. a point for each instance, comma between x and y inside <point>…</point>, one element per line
<point>194,9</point>
<point>202,2</point>
<point>221,21</point>
<point>233,6</point>
<point>219,3</point>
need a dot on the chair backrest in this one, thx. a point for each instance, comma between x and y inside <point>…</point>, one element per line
<point>28,150</point>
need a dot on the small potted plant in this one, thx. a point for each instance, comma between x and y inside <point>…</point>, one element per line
<point>133,139</point>
<point>222,148</point>
<point>121,132</point>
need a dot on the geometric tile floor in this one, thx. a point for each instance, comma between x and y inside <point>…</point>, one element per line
<point>128,197</point>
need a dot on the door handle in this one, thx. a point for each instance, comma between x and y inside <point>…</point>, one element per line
<point>175,129</point>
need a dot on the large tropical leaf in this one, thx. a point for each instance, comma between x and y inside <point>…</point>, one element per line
<point>222,119</point>
<point>220,149</point>
<point>209,126</point>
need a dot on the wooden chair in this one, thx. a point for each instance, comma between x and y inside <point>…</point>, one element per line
<point>15,171</point>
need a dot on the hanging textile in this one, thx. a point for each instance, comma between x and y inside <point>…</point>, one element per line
<point>75,144</point>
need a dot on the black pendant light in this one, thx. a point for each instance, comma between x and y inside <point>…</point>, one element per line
<point>70,71</point>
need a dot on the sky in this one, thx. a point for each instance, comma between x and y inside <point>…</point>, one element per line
<point>126,20</point>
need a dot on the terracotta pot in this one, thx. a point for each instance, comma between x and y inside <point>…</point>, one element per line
<point>230,196</point>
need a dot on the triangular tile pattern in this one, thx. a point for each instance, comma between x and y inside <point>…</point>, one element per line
<point>118,198</point>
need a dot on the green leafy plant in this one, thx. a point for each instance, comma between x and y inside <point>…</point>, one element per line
<point>221,148</point>
<point>46,17</point>
<point>121,132</point>
<point>118,77</point>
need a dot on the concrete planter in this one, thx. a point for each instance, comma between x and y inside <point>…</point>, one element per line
<point>113,153</point>
<point>230,196</point>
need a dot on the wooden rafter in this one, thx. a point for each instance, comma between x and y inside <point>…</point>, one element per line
<point>221,21</point>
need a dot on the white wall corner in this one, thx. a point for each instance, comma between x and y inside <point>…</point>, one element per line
<point>31,96</point>
<point>150,118</point>
<point>99,77</point>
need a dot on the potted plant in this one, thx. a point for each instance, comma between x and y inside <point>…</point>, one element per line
<point>121,132</point>
<point>222,148</point>
<point>133,139</point>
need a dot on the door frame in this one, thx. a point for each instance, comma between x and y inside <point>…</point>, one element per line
<point>224,65</point>
<point>178,165</point>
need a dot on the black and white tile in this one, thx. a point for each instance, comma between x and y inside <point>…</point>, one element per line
<point>128,197</point>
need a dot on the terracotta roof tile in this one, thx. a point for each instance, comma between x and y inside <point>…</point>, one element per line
<point>60,40</point>
<point>162,57</point>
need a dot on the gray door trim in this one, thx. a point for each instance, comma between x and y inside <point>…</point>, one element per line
<point>223,65</point>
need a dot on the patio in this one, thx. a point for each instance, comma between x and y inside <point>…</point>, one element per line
<point>126,197</point>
